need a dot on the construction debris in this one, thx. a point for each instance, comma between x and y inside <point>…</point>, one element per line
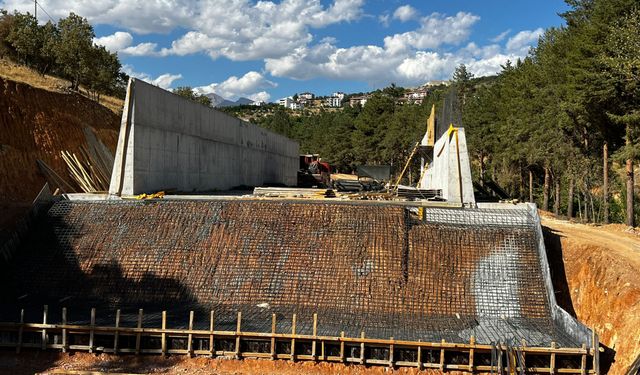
<point>281,192</point>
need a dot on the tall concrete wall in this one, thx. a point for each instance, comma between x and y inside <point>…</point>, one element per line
<point>168,142</point>
<point>446,173</point>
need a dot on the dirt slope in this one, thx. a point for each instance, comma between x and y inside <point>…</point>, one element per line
<point>602,271</point>
<point>36,123</point>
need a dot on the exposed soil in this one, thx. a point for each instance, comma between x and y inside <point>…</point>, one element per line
<point>602,271</point>
<point>38,124</point>
<point>50,363</point>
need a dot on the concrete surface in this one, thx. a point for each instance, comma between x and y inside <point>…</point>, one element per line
<point>168,142</point>
<point>444,172</point>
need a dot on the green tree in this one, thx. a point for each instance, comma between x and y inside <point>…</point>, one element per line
<point>25,37</point>
<point>622,82</point>
<point>7,23</point>
<point>187,92</point>
<point>74,49</point>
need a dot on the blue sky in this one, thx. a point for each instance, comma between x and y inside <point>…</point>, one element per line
<point>270,49</point>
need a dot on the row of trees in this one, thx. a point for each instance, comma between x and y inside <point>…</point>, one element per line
<point>567,116</point>
<point>381,132</point>
<point>64,49</point>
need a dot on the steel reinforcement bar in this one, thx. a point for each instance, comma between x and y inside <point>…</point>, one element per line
<point>467,357</point>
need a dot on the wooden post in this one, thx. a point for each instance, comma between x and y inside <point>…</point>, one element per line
<point>362,348</point>
<point>442,357</point>
<point>500,364</point>
<point>314,353</point>
<point>293,340</point>
<point>524,356</point>
<point>190,336</point>
<point>116,333</point>
<point>238,325</point>
<point>64,330</point>
<point>163,337</point>
<point>91,332</point>
<point>583,362</point>
<point>596,352</point>
<point>472,343</point>
<point>212,345</point>
<point>391,353</point>
<point>20,330</point>
<point>44,330</point>
<point>273,338</point>
<point>323,356</point>
<point>419,356</point>
<point>342,358</point>
<point>552,362</point>
<point>139,334</point>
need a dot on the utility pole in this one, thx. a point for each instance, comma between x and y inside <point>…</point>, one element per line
<point>35,9</point>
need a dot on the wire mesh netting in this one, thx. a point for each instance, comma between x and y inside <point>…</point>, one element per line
<point>376,269</point>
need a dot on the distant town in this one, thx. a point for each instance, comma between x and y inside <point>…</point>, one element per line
<point>338,99</point>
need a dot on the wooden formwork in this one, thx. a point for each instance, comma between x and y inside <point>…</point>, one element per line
<point>467,357</point>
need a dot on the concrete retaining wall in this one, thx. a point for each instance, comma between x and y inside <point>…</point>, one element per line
<point>168,142</point>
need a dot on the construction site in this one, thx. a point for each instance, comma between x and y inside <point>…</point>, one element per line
<point>163,258</point>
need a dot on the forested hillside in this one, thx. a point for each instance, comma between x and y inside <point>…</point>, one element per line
<point>559,128</point>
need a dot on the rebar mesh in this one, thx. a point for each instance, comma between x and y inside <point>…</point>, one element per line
<point>375,269</point>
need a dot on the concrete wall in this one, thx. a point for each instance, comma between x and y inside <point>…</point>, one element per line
<point>444,172</point>
<point>168,142</point>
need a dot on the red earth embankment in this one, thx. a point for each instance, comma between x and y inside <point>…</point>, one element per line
<point>602,268</point>
<point>38,124</point>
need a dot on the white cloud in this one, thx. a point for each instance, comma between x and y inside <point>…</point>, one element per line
<point>138,16</point>
<point>142,49</point>
<point>384,19</point>
<point>405,13</point>
<point>236,29</point>
<point>261,96</point>
<point>164,81</point>
<point>435,30</point>
<point>500,37</point>
<point>249,85</point>
<point>522,41</point>
<point>115,42</point>
<point>400,60</point>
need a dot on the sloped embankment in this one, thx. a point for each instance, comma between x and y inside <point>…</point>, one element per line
<point>602,283</point>
<point>38,124</point>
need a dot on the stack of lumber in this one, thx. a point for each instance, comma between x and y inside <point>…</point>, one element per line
<point>91,167</point>
<point>293,192</point>
<point>415,193</point>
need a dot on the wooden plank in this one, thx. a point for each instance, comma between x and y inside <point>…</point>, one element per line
<point>293,340</point>
<point>362,348</point>
<point>92,331</point>
<point>552,366</point>
<point>20,330</point>
<point>391,364</point>
<point>314,353</point>
<point>273,338</point>
<point>163,337</point>
<point>238,330</point>
<point>419,358</point>
<point>44,330</point>
<point>583,361</point>
<point>190,336</point>
<point>212,344</point>
<point>472,342</point>
<point>116,333</point>
<point>596,352</point>
<point>442,357</point>
<point>64,330</point>
<point>139,334</point>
